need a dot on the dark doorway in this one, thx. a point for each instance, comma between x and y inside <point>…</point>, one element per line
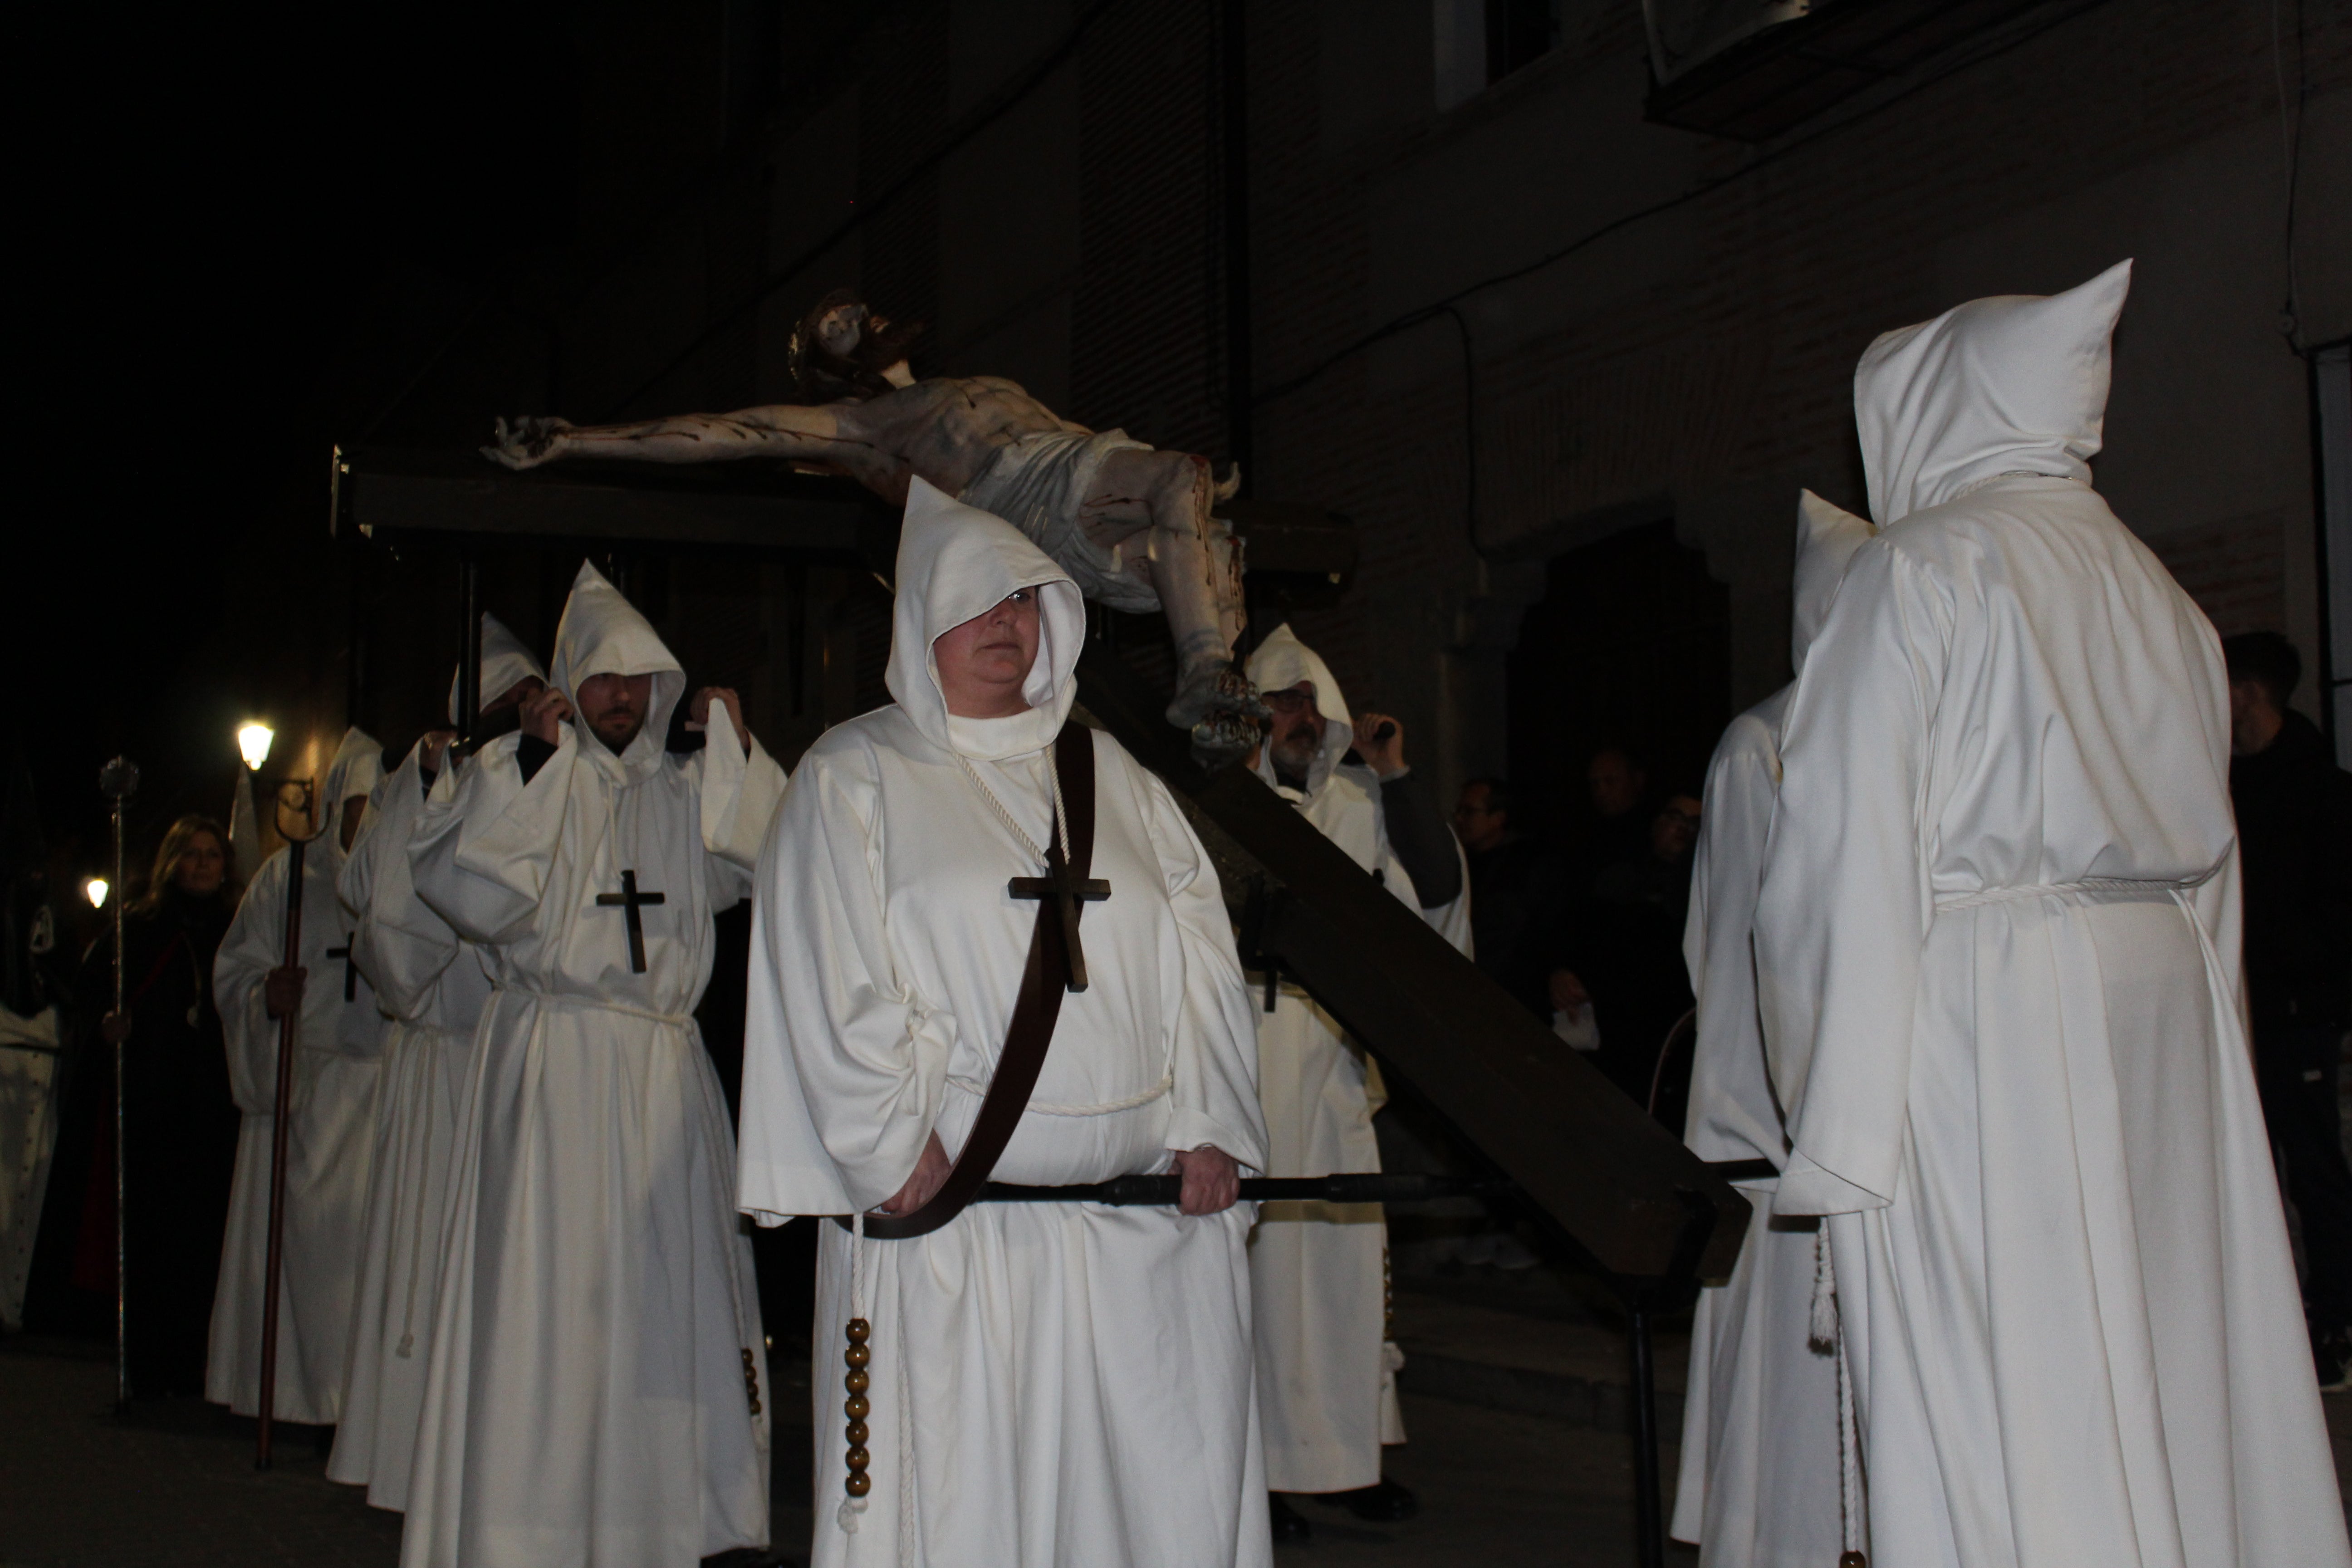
<point>1631,643</point>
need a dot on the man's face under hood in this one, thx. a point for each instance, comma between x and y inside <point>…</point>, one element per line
<point>613,708</point>
<point>1295,732</point>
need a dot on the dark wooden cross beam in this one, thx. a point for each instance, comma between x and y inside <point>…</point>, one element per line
<point>1070,892</point>
<point>628,900</point>
<point>351,970</point>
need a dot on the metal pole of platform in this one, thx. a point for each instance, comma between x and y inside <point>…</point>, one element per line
<point>1649,1501</point>
<point>116,781</point>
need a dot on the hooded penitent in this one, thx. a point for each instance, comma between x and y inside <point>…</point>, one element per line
<point>956,562</point>
<point>505,664</point>
<point>1326,1387</point>
<point>603,634</point>
<point>1996,949</point>
<point>887,949</point>
<point>339,1037</point>
<point>1279,664</point>
<point>1753,1368</point>
<point>355,772</point>
<point>2013,384</point>
<point>434,986</point>
<point>592,1263</point>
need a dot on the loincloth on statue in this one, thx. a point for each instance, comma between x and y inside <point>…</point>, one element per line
<point>1037,483</point>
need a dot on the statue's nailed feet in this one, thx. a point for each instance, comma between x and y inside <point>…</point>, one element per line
<point>1217,704</point>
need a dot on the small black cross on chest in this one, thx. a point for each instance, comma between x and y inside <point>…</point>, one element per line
<point>1069,892</point>
<point>628,900</point>
<point>351,970</point>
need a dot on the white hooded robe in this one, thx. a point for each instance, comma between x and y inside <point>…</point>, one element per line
<point>435,985</point>
<point>1327,1367</point>
<point>1998,953</point>
<point>337,1044</point>
<point>1759,1452</point>
<point>588,1401</point>
<point>1058,1384</point>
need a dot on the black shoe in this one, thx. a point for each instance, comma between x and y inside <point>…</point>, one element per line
<point>2331,1353</point>
<point>1290,1526</point>
<point>1387,1503</point>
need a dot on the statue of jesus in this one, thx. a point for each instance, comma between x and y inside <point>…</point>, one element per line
<point>1129,523</point>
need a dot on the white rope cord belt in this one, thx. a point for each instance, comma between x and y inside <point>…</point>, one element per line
<point>1035,1108</point>
<point>569,1002</point>
<point>2059,890</point>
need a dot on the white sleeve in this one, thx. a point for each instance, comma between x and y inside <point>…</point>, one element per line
<point>401,945</point>
<point>844,1066</point>
<point>255,944</point>
<point>1843,908</point>
<point>738,787</point>
<point>481,859</point>
<point>1214,1098</point>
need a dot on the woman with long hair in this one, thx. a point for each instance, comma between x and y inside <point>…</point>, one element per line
<point>179,1123</point>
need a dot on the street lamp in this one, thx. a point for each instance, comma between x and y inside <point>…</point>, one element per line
<point>253,738</point>
<point>94,890</point>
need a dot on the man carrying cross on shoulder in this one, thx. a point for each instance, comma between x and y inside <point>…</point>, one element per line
<point>598,1383</point>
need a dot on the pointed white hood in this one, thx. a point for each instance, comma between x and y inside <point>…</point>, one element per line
<point>603,634</point>
<point>1281,662</point>
<point>1827,537</point>
<point>2015,383</point>
<point>954,562</point>
<point>357,769</point>
<point>505,664</point>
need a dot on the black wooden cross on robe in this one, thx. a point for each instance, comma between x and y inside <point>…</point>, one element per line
<point>628,900</point>
<point>1069,892</point>
<point>351,970</point>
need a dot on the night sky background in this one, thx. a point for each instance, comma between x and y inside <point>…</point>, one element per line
<point>207,202</point>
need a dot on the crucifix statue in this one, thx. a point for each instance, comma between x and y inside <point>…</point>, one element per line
<point>1069,892</point>
<point>1129,523</point>
<point>628,900</point>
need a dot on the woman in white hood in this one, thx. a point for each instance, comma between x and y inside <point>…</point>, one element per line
<point>1055,1384</point>
<point>1997,956</point>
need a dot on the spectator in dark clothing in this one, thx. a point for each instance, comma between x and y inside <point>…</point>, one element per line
<point>1627,948</point>
<point>1511,893</point>
<point>2295,840</point>
<point>1619,833</point>
<point>180,1121</point>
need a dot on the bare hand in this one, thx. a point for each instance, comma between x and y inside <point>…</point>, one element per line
<point>544,714</point>
<point>435,748</point>
<point>529,442</point>
<point>115,1027</point>
<point>930,1171</point>
<point>697,713</point>
<point>1385,758</point>
<point>1568,992</point>
<point>281,993</point>
<point>1213,1181</point>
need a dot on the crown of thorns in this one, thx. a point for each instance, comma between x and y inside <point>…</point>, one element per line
<point>821,375</point>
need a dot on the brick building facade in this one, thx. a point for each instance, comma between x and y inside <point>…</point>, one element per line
<point>1053,187</point>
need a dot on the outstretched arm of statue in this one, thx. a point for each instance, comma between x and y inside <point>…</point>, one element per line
<point>778,430</point>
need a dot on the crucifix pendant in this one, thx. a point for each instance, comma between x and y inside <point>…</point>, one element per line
<point>628,900</point>
<point>350,972</point>
<point>1069,892</point>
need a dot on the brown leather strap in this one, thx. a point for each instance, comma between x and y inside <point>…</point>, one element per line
<point>1043,979</point>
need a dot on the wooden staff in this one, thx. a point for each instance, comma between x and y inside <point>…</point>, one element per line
<point>280,1121</point>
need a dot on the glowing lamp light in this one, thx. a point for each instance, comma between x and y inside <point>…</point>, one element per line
<point>94,890</point>
<point>253,739</point>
